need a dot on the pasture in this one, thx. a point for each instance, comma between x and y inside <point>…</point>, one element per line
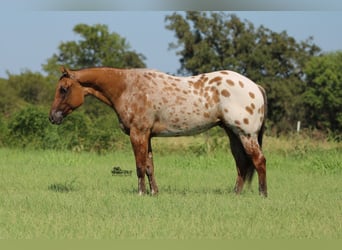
<point>69,195</point>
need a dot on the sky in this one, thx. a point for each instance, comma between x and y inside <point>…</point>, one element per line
<point>29,37</point>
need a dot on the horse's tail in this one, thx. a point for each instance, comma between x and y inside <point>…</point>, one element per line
<point>263,125</point>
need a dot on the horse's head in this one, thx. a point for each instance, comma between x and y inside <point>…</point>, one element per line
<point>69,96</point>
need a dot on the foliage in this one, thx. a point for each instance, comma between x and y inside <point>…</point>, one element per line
<point>9,101</point>
<point>28,128</point>
<point>215,41</point>
<point>31,87</point>
<point>3,131</point>
<point>323,95</point>
<point>97,47</point>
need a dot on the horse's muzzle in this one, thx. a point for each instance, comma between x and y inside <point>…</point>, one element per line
<point>56,117</point>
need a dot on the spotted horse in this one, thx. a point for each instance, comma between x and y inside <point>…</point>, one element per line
<point>150,103</point>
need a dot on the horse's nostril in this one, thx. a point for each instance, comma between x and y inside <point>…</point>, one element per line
<point>56,117</point>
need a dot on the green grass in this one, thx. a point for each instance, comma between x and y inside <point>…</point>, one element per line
<point>65,195</point>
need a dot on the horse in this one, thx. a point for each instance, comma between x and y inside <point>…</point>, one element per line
<point>150,104</point>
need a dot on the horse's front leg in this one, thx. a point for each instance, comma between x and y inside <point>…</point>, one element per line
<point>143,157</point>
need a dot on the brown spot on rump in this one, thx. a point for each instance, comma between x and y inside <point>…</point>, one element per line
<point>237,122</point>
<point>225,110</point>
<point>167,89</point>
<point>153,74</point>
<point>215,79</point>
<point>241,84</point>
<point>262,109</point>
<point>147,77</point>
<point>164,100</point>
<point>224,72</point>
<point>252,95</point>
<point>203,76</point>
<point>216,96</point>
<point>199,84</point>
<point>225,93</point>
<point>249,110</point>
<point>176,120</point>
<point>230,82</point>
<point>245,121</point>
<point>206,115</point>
<point>252,106</point>
<point>180,99</point>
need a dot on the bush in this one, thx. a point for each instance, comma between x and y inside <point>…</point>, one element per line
<point>73,133</point>
<point>28,128</point>
<point>3,131</point>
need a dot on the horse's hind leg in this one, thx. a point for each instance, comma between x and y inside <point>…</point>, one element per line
<point>253,150</point>
<point>244,165</point>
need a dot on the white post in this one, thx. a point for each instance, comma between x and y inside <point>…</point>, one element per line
<point>298,126</point>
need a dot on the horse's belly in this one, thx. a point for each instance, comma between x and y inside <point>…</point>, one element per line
<point>178,131</point>
<point>182,126</point>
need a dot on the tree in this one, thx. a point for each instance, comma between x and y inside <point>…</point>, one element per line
<point>33,88</point>
<point>216,41</point>
<point>97,47</point>
<point>323,95</point>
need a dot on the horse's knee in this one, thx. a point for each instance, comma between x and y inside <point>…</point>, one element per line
<point>141,171</point>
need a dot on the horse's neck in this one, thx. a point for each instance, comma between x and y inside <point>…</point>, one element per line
<point>106,84</point>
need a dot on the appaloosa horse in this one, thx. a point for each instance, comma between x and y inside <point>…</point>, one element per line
<point>150,103</point>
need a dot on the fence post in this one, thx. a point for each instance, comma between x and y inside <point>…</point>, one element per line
<point>298,126</point>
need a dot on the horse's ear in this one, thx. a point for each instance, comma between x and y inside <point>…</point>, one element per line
<point>65,71</point>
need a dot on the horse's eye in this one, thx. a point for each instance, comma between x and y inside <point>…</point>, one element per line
<point>63,90</point>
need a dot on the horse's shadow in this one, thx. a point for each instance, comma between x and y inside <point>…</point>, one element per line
<point>177,191</point>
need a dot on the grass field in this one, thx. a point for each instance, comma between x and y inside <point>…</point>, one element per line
<point>66,195</point>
